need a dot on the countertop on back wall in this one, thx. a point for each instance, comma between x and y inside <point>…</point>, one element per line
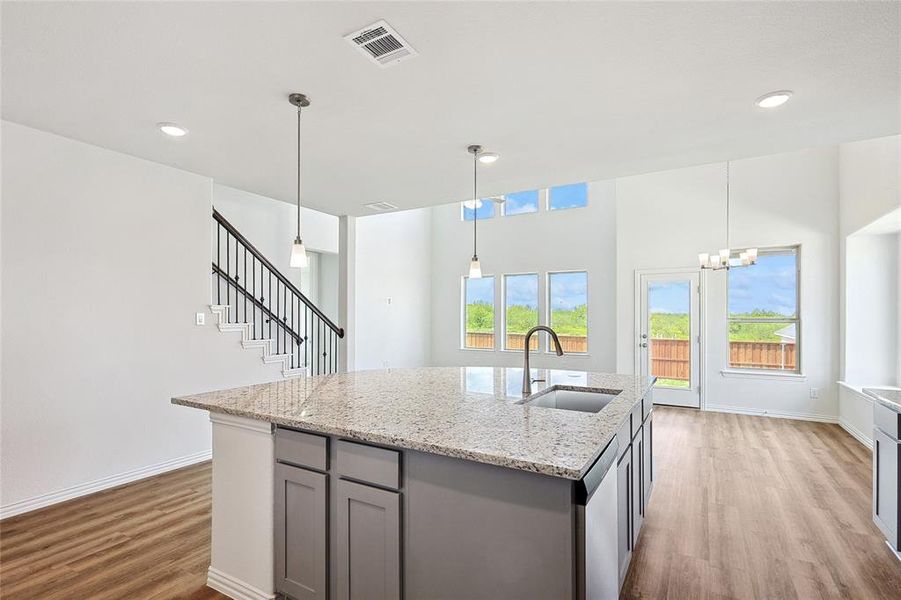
<point>463,412</point>
<point>889,397</point>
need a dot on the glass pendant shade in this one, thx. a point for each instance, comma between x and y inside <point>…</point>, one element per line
<point>475,268</point>
<point>299,255</point>
<point>703,259</point>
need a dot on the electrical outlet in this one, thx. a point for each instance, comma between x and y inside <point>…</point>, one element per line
<point>814,393</point>
<point>200,318</point>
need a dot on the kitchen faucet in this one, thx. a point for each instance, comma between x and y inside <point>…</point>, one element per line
<point>526,373</point>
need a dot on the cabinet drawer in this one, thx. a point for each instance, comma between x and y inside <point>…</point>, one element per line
<point>378,466</point>
<point>886,419</point>
<point>303,449</point>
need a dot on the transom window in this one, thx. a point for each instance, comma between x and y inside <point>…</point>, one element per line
<point>484,209</point>
<point>763,313</point>
<point>574,195</point>
<point>521,203</point>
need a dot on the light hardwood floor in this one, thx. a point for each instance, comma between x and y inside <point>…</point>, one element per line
<point>755,507</point>
<point>745,507</point>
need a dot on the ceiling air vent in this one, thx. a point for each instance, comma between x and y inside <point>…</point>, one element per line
<point>381,44</point>
<point>380,206</point>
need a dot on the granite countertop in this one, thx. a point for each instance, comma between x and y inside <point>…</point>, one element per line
<point>464,412</point>
<point>889,397</point>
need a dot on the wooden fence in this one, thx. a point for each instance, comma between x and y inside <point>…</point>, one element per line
<point>517,341</point>
<point>670,359</point>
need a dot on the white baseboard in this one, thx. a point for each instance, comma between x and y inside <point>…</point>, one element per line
<point>234,588</point>
<point>759,412</point>
<point>858,434</point>
<point>83,489</point>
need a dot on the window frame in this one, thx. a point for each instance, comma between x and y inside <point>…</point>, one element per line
<point>548,308</point>
<point>796,320</point>
<point>503,344</point>
<point>548,194</point>
<point>463,345</point>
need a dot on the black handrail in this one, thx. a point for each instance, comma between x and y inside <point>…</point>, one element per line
<point>257,303</point>
<point>281,278</point>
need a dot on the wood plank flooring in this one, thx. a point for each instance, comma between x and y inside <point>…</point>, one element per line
<point>754,507</point>
<point>745,507</point>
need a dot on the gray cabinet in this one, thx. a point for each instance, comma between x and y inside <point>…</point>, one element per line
<point>368,543</point>
<point>624,507</point>
<point>301,518</point>
<point>637,484</point>
<point>886,452</point>
<point>647,469</point>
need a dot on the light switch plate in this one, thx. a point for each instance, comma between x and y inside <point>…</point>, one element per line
<point>200,318</point>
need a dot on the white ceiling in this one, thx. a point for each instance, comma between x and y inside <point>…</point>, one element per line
<point>564,91</point>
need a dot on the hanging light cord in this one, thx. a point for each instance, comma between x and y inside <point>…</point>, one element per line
<point>298,171</point>
<point>727,208</point>
<point>475,201</point>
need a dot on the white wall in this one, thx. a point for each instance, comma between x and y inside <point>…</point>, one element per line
<point>393,260</point>
<point>105,261</point>
<point>871,305</point>
<point>664,219</point>
<point>869,181</point>
<point>573,239</point>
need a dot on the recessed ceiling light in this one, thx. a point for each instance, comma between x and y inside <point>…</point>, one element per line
<point>773,99</point>
<point>488,157</point>
<point>172,129</point>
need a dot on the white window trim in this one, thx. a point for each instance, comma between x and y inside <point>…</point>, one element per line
<point>749,373</point>
<point>547,310</point>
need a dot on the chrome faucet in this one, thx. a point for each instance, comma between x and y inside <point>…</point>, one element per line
<point>526,372</point>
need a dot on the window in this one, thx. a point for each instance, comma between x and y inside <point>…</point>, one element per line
<point>478,313</point>
<point>520,310</point>
<point>574,195</point>
<point>484,209</point>
<point>764,326</point>
<point>521,203</point>
<point>568,309</point>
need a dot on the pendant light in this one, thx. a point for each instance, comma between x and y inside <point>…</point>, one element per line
<point>478,156</point>
<point>723,258</point>
<point>298,251</point>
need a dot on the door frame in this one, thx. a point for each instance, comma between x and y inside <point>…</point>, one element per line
<point>702,323</point>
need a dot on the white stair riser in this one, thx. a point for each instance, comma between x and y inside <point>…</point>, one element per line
<point>248,342</point>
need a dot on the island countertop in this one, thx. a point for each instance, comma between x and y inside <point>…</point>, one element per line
<point>463,412</point>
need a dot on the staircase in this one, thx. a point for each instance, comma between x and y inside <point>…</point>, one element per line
<point>268,310</point>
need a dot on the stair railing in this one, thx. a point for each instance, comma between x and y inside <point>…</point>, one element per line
<point>260,294</point>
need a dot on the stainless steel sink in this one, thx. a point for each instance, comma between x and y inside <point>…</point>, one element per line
<point>591,402</point>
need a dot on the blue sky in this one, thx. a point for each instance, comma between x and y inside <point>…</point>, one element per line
<point>521,202</point>
<point>569,196</point>
<point>668,297</point>
<point>480,290</point>
<point>522,290</point>
<point>768,285</point>
<point>568,290</point>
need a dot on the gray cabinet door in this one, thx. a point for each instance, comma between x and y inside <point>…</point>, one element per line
<point>624,513</point>
<point>301,519</point>
<point>647,472</point>
<point>368,544</point>
<point>637,485</point>
<point>885,485</point>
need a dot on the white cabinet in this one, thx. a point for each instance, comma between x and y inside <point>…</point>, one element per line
<point>886,451</point>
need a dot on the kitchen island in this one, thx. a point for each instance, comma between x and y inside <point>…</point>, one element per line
<point>429,483</point>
